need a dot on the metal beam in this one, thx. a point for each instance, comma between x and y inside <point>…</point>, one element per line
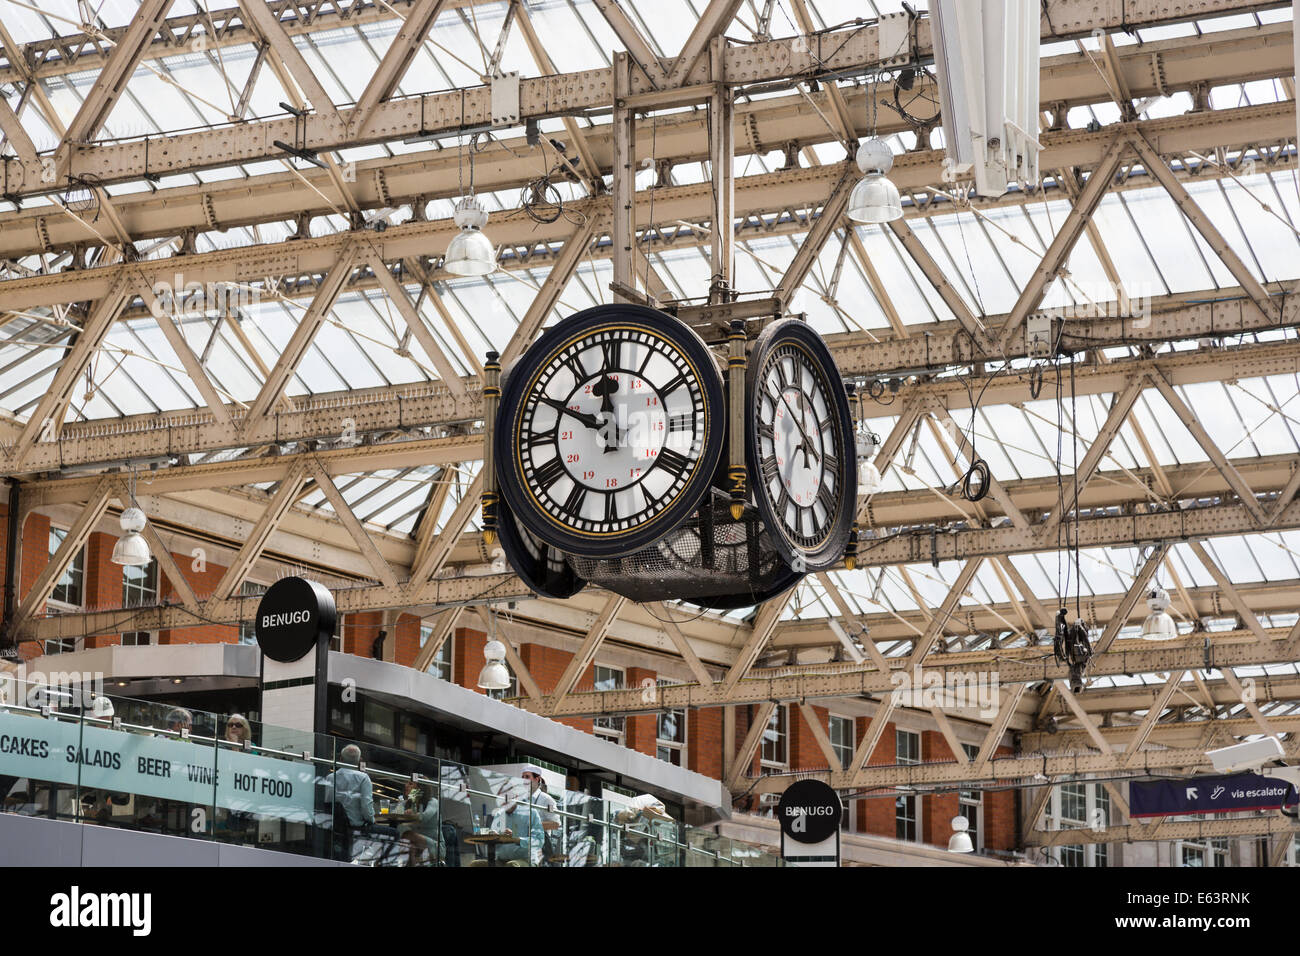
<point>1129,601</point>
<point>819,735</point>
<point>16,134</point>
<point>1097,448</point>
<point>166,322</point>
<point>1153,714</point>
<point>275,511</point>
<point>388,74</point>
<point>293,354</point>
<point>713,22</point>
<point>1229,591</point>
<point>1058,253</point>
<point>745,755</point>
<point>967,319</point>
<point>1209,232</point>
<point>267,25</point>
<point>582,659</point>
<point>1006,665</point>
<point>415,322</point>
<point>433,405</point>
<point>828,221</point>
<point>116,72</point>
<point>540,308</point>
<point>45,421</point>
<point>1275,825</point>
<point>68,549</point>
<point>789,190</point>
<point>634,40</point>
<point>343,511</point>
<point>848,52</point>
<point>1208,445</point>
<point>443,628</point>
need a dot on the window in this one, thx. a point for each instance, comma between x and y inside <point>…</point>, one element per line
<point>841,734</point>
<point>140,585</point>
<point>671,737</point>
<point>1076,805</point>
<point>775,753</point>
<point>1207,853</point>
<point>69,589</point>
<point>65,645</point>
<point>139,589</point>
<point>247,629</point>
<point>907,809</point>
<point>611,728</point>
<point>1073,856</point>
<point>440,666</point>
<point>970,804</point>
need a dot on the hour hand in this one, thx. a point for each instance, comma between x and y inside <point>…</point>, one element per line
<point>591,421</point>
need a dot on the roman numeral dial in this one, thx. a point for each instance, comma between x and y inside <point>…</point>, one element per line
<point>609,430</point>
<point>798,426</point>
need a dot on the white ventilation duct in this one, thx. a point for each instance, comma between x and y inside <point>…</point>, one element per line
<point>986,58</point>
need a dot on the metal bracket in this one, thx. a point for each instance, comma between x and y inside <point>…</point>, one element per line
<point>1038,334</point>
<point>505,100</point>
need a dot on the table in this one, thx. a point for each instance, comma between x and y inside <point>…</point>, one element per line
<point>492,841</point>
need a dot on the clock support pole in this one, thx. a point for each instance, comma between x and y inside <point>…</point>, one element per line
<point>736,414</point>
<point>491,398</point>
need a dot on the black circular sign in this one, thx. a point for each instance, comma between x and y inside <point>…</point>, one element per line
<point>809,811</point>
<point>293,615</point>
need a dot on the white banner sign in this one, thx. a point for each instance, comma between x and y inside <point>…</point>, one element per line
<point>65,752</point>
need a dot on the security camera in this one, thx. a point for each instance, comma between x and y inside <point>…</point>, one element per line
<point>1252,755</point>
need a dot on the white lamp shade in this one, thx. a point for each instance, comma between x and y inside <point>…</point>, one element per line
<point>494,676</point>
<point>132,549</point>
<point>875,200</point>
<point>1159,626</point>
<point>960,841</point>
<point>470,253</point>
<point>494,650</point>
<point>869,482</point>
<point>875,156</point>
<point>132,519</point>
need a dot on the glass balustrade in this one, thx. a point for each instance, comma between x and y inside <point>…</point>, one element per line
<point>156,768</point>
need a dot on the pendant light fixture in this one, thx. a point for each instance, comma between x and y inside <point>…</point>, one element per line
<point>494,675</point>
<point>1158,626</point>
<point>867,444</point>
<point>960,841</point>
<point>470,252</point>
<point>875,199</point>
<point>132,550</point>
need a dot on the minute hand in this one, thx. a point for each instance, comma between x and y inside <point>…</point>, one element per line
<point>591,421</point>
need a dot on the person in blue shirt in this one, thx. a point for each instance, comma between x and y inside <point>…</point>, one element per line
<point>351,795</point>
<point>530,818</point>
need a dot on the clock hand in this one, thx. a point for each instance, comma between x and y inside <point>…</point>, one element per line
<point>591,421</point>
<point>808,448</point>
<point>604,388</point>
<point>804,444</point>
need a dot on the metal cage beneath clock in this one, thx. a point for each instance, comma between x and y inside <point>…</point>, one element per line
<point>712,560</point>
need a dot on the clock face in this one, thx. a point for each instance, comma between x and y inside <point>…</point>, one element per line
<point>540,566</point>
<point>609,431</point>
<point>800,457</point>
